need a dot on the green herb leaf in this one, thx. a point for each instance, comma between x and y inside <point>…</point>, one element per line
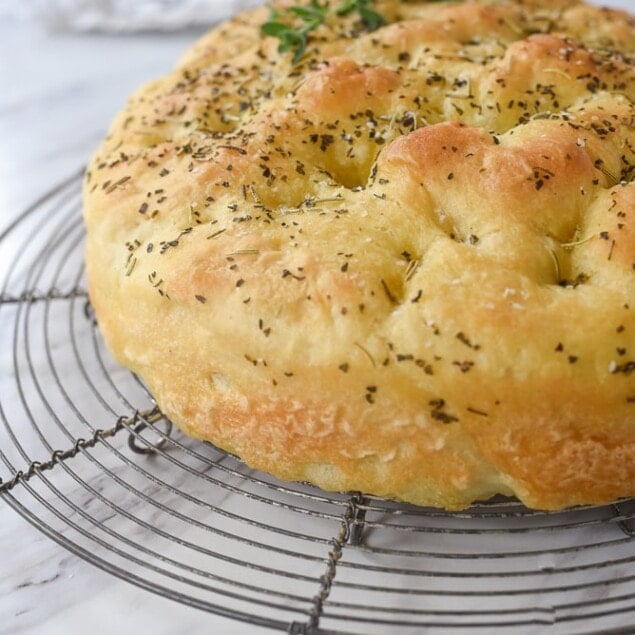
<point>370,18</point>
<point>274,29</point>
<point>315,13</point>
<point>292,26</point>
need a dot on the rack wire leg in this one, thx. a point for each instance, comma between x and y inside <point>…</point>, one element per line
<point>358,524</point>
<point>351,519</point>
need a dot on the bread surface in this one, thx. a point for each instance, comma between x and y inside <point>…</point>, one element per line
<point>404,265</point>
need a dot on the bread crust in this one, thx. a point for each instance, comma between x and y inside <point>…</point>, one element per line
<point>405,266</point>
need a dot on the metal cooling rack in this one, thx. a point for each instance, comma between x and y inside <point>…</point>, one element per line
<point>87,459</point>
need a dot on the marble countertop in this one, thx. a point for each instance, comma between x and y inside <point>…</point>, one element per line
<point>59,91</point>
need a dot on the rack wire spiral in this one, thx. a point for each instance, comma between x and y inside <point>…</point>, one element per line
<point>86,458</point>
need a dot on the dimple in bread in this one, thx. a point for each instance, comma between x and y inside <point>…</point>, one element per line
<point>404,266</point>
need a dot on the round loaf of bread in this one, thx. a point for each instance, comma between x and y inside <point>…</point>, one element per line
<point>402,265</point>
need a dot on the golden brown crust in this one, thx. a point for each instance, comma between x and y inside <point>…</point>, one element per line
<point>405,266</point>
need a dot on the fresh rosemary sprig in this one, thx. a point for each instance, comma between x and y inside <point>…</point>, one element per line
<point>292,26</point>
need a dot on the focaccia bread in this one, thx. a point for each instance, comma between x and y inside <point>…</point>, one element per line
<point>404,265</point>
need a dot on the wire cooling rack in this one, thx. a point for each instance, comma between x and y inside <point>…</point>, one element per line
<point>86,458</point>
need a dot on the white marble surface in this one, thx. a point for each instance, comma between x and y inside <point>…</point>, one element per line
<point>57,93</point>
